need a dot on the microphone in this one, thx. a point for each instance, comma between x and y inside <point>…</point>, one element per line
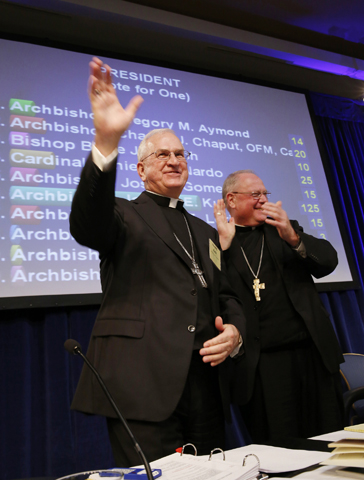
<point>72,346</point>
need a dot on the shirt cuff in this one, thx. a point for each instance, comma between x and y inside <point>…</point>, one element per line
<point>301,249</point>
<point>104,163</point>
<point>236,350</point>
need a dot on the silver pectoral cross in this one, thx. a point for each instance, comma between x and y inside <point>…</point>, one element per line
<point>197,271</point>
<point>256,287</point>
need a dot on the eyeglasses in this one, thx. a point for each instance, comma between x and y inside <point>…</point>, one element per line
<point>165,155</point>
<point>255,195</point>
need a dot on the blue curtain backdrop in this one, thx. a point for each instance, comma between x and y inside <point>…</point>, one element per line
<point>41,437</point>
<point>341,125</point>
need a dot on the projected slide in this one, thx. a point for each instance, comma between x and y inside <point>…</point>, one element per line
<point>46,131</point>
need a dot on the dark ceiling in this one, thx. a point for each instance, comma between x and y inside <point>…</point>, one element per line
<point>316,45</point>
<point>335,25</point>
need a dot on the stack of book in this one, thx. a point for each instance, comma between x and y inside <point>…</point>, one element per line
<point>348,452</point>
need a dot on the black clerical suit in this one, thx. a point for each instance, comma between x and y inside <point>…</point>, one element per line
<point>292,356</point>
<point>152,316</point>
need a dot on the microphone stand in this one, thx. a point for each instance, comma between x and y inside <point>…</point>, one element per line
<point>74,347</point>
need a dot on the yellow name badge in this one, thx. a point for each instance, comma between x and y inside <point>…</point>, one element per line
<point>215,254</point>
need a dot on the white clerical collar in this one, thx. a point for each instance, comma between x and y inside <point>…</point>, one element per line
<point>172,201</point>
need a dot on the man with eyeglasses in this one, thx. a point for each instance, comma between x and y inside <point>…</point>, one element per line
<point>288,380</point>
<point>168,321</point>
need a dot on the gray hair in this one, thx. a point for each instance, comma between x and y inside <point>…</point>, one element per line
<point>230,183</point>
<point>144,144</point>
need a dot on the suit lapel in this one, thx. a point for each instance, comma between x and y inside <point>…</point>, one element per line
<point>153,216</point>
<point>201,242</point>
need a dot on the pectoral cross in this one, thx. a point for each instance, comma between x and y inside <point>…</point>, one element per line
<point>256,287</point>
<point>197,271</point>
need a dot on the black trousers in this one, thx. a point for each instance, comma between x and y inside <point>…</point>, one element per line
<point>198,419</point>
<point>294,396</point>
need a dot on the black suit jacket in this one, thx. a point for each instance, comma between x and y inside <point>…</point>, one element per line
<point>295,272</point>
<point>141,343</point>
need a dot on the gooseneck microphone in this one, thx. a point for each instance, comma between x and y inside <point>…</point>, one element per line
<point>72,346</point>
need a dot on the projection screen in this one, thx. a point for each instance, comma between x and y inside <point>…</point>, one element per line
<point>46,131</point>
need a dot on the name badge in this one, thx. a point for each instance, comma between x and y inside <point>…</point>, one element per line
<point>215,254</point>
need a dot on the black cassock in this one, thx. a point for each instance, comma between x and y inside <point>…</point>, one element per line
<point>294,395</point>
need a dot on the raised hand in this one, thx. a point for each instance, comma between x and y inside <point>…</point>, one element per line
<point>225,228</point>
<point>111,120</point>
<point>280,220</point>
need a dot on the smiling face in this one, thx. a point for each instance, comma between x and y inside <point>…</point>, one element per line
<point>164,177</point>
<point>244,208</point>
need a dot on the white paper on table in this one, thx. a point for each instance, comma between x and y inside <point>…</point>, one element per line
<point>328,473</point>
<point>189,467</point>
<point>277,459</point>
<point>335,436</point>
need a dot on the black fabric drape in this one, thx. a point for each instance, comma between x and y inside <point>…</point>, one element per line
<point>341,124</point>
<point>40,436</point>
